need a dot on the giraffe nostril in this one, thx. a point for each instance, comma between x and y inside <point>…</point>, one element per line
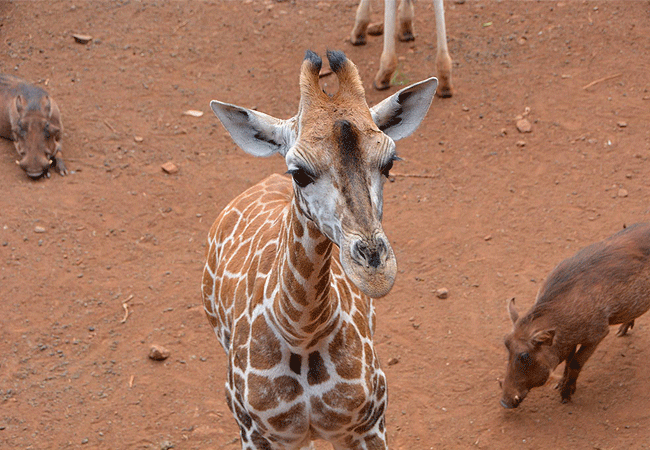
<point>369,256</point>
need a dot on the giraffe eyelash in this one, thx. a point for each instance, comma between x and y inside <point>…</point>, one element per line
<point>301,177</point>
<point>385,169</point>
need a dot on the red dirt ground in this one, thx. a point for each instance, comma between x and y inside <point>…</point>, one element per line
<point>494,214</point>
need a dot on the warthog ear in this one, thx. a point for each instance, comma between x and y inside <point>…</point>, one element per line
<point>544,337</point>
<point>47,106</point>
<point>20,103</point>
<point>514,315</point>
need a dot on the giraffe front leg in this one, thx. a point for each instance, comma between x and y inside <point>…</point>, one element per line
<point>358,35</point>
<point>388,61</point>
<point>443,60</point>
<point>405,14</point>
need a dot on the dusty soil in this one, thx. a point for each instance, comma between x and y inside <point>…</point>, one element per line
<point>495,211</point>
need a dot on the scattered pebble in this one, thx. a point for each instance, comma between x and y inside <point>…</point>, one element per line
<point>166,445</point>
<point>169,167</point>
<point>39,229</point>
<point>622,192</point>
<point>193,113</point>
<point>622,124</point>
<point>82,38</point>
<point>138,138</point>
<point>442,293</point>
<point>521,143</point>
<point>158,353</point>
<point>488,237</point>
<point>393,361</point>
<point>524,126</point>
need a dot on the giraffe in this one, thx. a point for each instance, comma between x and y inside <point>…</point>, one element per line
<point>294,263</point>
<point>388,60</point>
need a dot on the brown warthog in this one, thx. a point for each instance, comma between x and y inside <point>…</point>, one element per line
<point>31,118</point>
<point>606,283</point>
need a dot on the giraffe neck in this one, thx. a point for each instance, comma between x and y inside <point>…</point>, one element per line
<point>304,308</point>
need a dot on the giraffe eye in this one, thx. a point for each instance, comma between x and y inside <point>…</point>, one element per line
<point>385,171</point>
<point>301,177</point>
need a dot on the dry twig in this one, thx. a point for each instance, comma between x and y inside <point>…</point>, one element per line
<point>600,80</point>
<point>126,312</point>
<point>412,175</point>
<point>110,127</point>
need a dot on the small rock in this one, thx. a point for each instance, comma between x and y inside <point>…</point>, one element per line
<point>193,113</point>
<point>488,237</point>
<point>622,124</point>
<point>442,293</point>
<point>138,138</point>
<point>622,192</point>
<point>521,143</point>
<point>82,38</point>
<point>169,167</point>
<point>158,353</point>
<point>39,229</point>
<point>166,445</point>
<point>393,361</point>
<point>524,126</point>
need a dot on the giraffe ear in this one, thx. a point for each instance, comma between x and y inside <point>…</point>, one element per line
<point>400,114</point>
<point>254,132</point>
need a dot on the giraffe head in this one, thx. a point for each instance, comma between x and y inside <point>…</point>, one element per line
<point>339,153</point>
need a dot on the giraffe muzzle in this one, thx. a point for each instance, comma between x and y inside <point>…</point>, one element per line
<point>370,264</point>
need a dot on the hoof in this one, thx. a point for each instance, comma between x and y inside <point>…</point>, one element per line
<point>407,36</point>
<point>444,92</point>
<point>622,331</point>
<point>376,29</point>
<point>358,40</point>
<point>380,86</point>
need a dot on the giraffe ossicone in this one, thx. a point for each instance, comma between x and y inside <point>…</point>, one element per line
<point>294,263</point>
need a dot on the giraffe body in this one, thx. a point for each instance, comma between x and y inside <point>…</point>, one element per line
<point>292,266</point>
<point>331,388</point>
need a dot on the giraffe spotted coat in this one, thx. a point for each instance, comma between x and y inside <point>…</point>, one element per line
<point>293,264</point>
<point>330,387</point>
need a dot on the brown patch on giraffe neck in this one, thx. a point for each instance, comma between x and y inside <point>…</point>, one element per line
<point>295,363</point>
<point>294,418</point>
<point>345,396</point>
<point>346,352</point>
<point>317,372</point>
<point>267,352</point>
<point>266,393</point>
<point>325,417</point>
